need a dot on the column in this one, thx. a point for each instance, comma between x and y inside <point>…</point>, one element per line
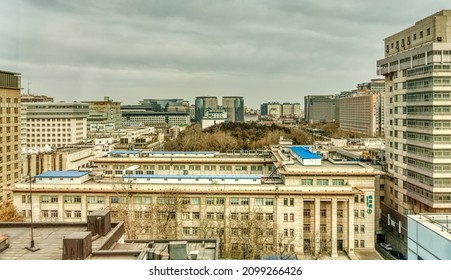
<point>301,226</point>
<point>351,226</point>
<point>334,228</point>
<point>317,236</point>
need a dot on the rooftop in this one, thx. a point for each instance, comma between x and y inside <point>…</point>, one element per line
<point>62,174</point>
<point>304,152</point>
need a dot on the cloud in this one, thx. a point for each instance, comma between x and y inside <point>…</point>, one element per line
<point>279,49</point>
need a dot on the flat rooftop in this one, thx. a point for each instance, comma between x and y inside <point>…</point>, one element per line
<point>48,239</point>
<point>62,174</point>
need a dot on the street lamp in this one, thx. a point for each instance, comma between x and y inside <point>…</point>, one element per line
<point>31,248</point>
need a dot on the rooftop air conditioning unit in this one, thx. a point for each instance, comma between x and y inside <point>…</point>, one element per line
<point>77,246</point>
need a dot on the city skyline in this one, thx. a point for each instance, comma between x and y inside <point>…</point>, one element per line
<point>258,50</point>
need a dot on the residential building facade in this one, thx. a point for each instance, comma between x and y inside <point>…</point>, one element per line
<point>10,132</point>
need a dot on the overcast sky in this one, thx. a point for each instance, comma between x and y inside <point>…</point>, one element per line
<point>263,50</point>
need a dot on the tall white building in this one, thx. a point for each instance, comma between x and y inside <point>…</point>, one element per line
<point>417,70</point>
<point>56,124</point>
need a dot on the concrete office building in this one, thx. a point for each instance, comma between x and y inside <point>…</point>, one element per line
<point>144,114</point>
<point>106,113</point>
<point>362,110</point>
<point>417,70</point>
<point>305,203</point>
<point>234,105</point>
<point>320,108</point>
<point>56,124</point>
<point>202,104</point>
<point>10,132</point>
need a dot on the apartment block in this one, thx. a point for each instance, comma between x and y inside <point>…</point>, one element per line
<point>10,132</point>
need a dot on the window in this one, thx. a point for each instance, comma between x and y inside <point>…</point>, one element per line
<point>340,213</point>
<point>322,228</point>
<point>338,182</point>
<point>77,214</point>
<point>323,213</point>
<point>362,213</point>
<point>291,217</point>
<point>186,215</point>
<point>210,216</point>
<point>234,201</point>
<point>288,202</point>
<point>306,212</point>
<point>356,228</point>
<point>269,216</point>
<point>196,215</point>
<point>259,201</point>
<point>356,213</point>
<point>322,182</point>
<point>210,201</point>
<point>339,228</point>
<point>186,230</point>
<point>362,243</point>
<point>72,199</point>
<point>114,199</point>
<point>244,201</point>
<point>307,182</point>
<point>54,213</point>
<point>307,227</point>
<point>362,228</point>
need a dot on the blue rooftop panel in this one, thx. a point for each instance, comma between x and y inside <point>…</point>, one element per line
<point>304,152</point>
<point>62,174</point>
<point>123,152</point>
<point>180,153</point>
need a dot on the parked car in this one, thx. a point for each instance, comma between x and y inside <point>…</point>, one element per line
<point>397,255</point>
<point>386,246</point>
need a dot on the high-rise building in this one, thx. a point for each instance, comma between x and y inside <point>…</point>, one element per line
<point>167,105</point>
<point>56,124</point>
<point>10,132</point>
<point>107,112</point>
<point>320,108</point>
<point>203,103</point>
<point>417,70</point>
<point>234,105</point>
<point>361,110</point>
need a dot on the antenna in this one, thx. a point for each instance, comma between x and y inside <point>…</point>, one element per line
<point>29,84</point>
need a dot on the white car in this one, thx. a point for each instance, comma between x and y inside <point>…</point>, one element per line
<point>386,246</point>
